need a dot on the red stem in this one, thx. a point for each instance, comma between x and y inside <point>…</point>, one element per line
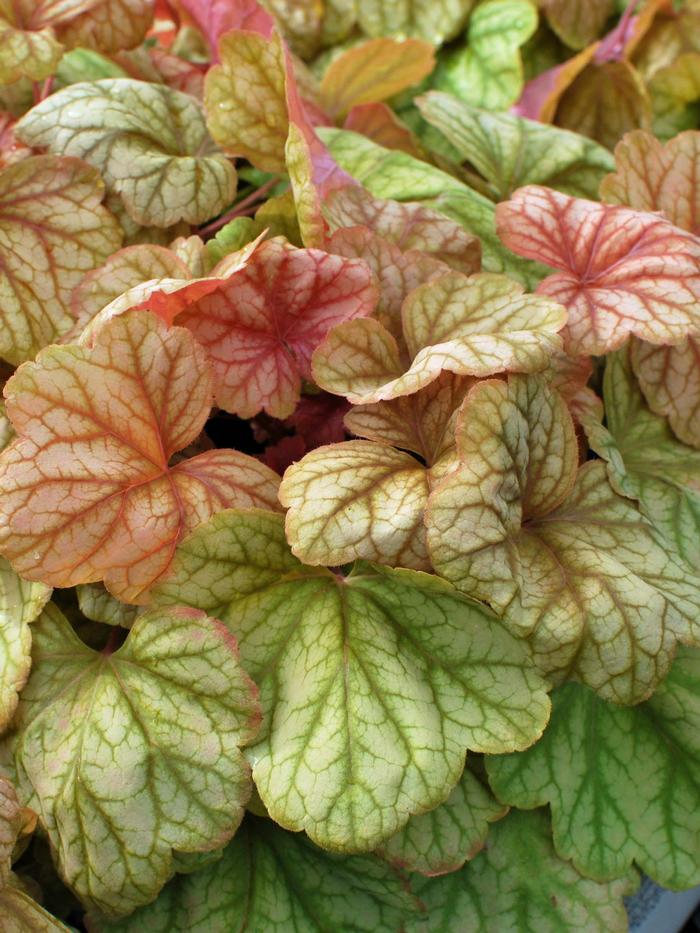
<point>239,209</point>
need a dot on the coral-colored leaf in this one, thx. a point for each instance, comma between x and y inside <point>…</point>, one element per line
<point>262,324</point>
<point>622,272</point>
<point>468,325</point>
<point>374,71</point>
<point>216,17</point>
<point>88,492</point>
<point>379,123</point>
<point>670,380</point>
<point>54,230</point>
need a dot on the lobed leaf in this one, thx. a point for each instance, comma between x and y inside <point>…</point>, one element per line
<point>567,563</point>
<point>133,754</point>
<point>622,272</point>
<point>109,25</point>
<point>372,685</point>
<point>88,492</point>
<point>435,21</point>
<point>620,780</point>
<point>670,380</point>
<point>148,141</point>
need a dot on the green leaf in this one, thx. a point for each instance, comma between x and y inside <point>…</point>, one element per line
<point>570,565</point>
<point>443,839</point>
<point>577,22</point>
<point>623,782</point>
<point>647,462</point>
<point>98,604</point>
<point>20,603</point>
<point>271,881</point>
<point>518,884</point>
<point>434,20</point>
<point>129,755</point>
<point>26,51</point>
<point>511,151</point>
<point>489,71</point>
<point>373,685</point>
<point>389,173</point>
<point>149,142</point>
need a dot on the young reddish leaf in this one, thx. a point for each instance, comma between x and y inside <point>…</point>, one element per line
<point>410,226</point>
<point>622,271</point>
<point>213,18</point>
<point>282,454</point>
<point>379,123</point>
<point>318,419</point>
<point>54,230</point>
<point>262,324</point>
<point>373,71</point>
<point>670,380</point>
<point>88,492</point>
<point>148,141</point>
<point>468,325</point>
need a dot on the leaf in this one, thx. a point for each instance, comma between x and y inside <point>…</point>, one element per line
<point>87,490</point>
<point>372,685</point>
<point>568,564</point>
<point>20,603</point>
<point>489,72</point>
<point>443,839</point>
<point>652,177</point>
<point>54,230</point>
<point>647,463</point>
<point>605,101</point>
<point>519,883</point>
<point>621,272</point>
<point>409,226</point>
<point>261,325</point>
<point>19,912</point>
<point>373,71</point>
<point>391,174</point>
<point>509,151</point>
<point>109,25</point>
<point>271,881</point>
<point>98,605</point>
<point>380,124</point>
<point>577,22</point>
<point>149,143</point>
<point>29,48</point>
<point>435,22</point>
<point>213,18</point>
<point>629,793</point>
<point>670,381</point>
<point>136,753</point>
<point>468,325</point>
<point>671,90</point>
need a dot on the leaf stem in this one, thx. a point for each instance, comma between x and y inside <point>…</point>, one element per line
<point>239,209</point>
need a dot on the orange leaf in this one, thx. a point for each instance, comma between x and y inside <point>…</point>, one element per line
<point>87,490</point>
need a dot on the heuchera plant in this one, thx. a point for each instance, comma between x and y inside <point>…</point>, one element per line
<point>350,464</point>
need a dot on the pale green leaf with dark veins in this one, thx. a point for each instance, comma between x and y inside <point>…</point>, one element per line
<point>443,839</point>
<point>433,20</point>
<point>646,462</point>
<point>488,72</point>
<point>373,685</point>
<point>567,563</point>
<point>97,603</point>
<point>20,603</point>
<point>518,884</point>
<point>129,755</point>
<point>623,782</point>
<point>510,151</point>
<point>272,881</point>
<point>390,173</point>
<point>149,142</point>
<point>18,912</point>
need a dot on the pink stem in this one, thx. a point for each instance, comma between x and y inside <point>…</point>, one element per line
<point>238,210</point>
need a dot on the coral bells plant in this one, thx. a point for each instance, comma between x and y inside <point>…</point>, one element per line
<point>349,464</point>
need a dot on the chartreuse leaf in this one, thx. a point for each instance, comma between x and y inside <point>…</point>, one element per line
<point>511,151</point>
<point>621,272</point>
<point>29,48</point>
<point>621,781</point>
<point>469,325</point>
<point>149,142</point>
<point>489,72</point>
<point>97,604</point>
<point>19,912</point>
<point>674,92</point>
<point>272,881</point>
<point>374,71</point>
<point>133,754</point>
<point>388,173</point>
<point>20,603</point>
<point>443,839</point>
<point>373,685</point>
<point>670,380</point>
<point>577,22</point>
<point>568,564</point>
<point>88,491</point>
<point>646,462</point>
<point>53,230</point>
<point>434,21</point>
<point>518,884</point>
